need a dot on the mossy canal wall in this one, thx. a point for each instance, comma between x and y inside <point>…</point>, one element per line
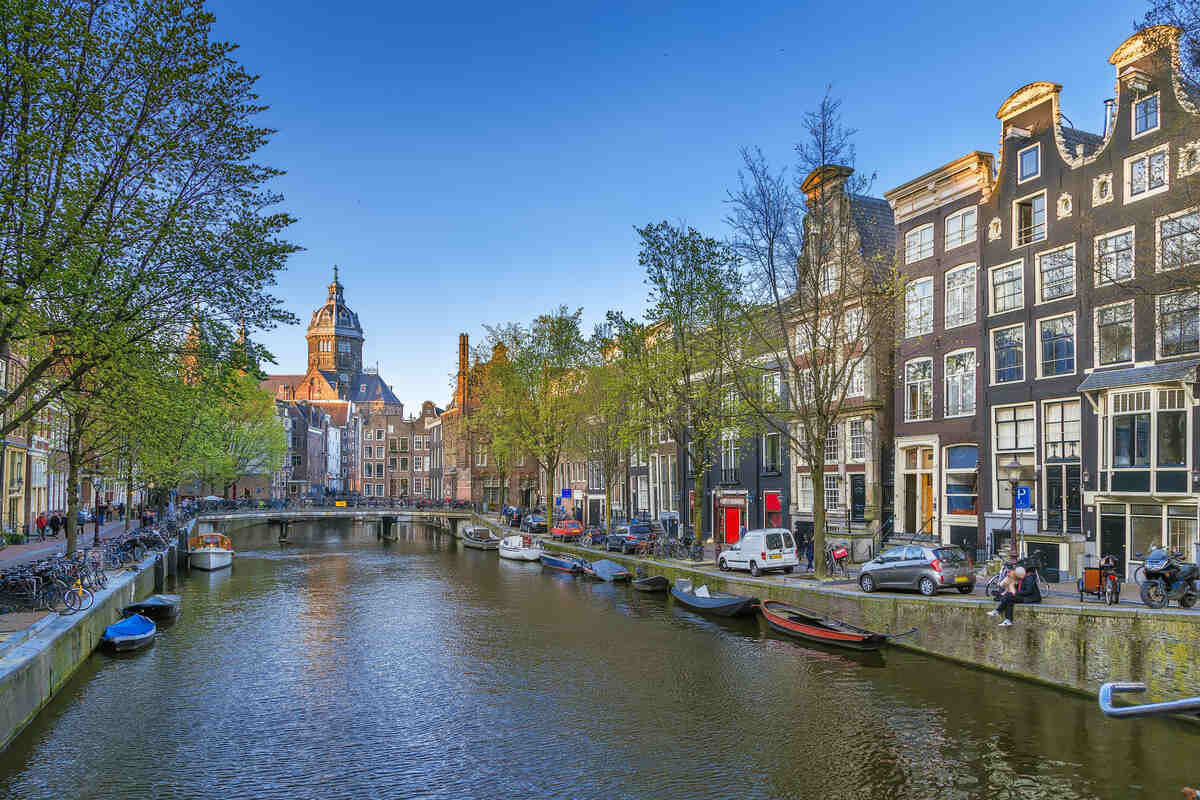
<point>1072,646</point>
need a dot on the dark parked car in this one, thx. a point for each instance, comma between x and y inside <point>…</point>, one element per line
<point>512,518</point>
<point>533,523</point>
<point>626,538</point>
<point>926,569</point>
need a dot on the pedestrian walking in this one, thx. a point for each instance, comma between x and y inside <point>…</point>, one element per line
<point>1026,591</point>
<point>121,511</point>
<point>41,526</point>
<point>55,524</point>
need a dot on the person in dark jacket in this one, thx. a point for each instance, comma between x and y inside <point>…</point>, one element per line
<point>54,524</point>
<point>1026,591</point>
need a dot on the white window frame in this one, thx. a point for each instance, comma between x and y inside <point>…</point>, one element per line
<point>1100,280</point>
<point>1158,329</point>
<point>1128,174</point>
<point>779,440</point>
<point>992,353</point>
<point>804,492</point>
<point>1037,274</point>
<point>1074,345</point>
<point>1133,132</point>
<point>1158,223</point>
<point>857,439</point>
<point>856,379</point>
<point>972,295</point>
<point>1016,225</point>
<point>833,491</point>
<point>1132,333</point>
<point>973,376</point>
<point>1035,146</point>
<point>833,438</point>
<point>991,287</point>
<point>908,411</point>
<point>962,212</point>
<point>928,328</point>
<point>918,232</point>
<point>996,452</point>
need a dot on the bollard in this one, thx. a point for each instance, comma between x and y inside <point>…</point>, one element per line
<point>160,572</point>
<point>172,561</point>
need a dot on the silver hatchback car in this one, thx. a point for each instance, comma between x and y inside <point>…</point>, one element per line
<point>926,569</point>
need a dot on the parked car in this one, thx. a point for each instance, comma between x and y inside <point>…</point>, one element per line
<point>567,530</point>
<point>533,523</point>
<point>512,518</point>
<point>761,550</point>
<point>626,538</point>
<point>594,537</point>
<point>929,570</point>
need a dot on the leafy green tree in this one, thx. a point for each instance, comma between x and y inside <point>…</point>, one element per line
<point>610,427</point>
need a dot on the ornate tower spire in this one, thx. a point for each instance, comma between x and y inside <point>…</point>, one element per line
<point>335,336</point>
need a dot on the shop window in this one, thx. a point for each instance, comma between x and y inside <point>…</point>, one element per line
<point>1146,529</point>
<point>1114,334</point>
<point>962,473</point>
<point>1181,530</point>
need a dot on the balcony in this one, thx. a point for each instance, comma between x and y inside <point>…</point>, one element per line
<point>731,475</point>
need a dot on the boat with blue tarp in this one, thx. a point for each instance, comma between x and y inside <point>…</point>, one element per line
<point>132,633</point>
<point>561,562</point>
<point>605,570</point>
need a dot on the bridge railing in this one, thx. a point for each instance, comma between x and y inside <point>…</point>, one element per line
<point>334,504</point>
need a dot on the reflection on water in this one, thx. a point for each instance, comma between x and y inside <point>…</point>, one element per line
<point>339,666</point>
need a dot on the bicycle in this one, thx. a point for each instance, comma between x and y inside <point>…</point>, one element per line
<point>837,559</point>
<point>1032,563</point>
<point>77,598</point>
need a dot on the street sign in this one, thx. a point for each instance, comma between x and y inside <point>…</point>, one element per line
<point>1023,497</point>
<point>566,493</point>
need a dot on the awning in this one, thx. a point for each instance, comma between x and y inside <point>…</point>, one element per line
<point>772,500</point>
<point>1170,372</point>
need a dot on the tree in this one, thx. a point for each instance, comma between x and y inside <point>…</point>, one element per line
<point>680,361</point>
<point>610,428</point>
<point>1185,15</point>
<point>821,294</point>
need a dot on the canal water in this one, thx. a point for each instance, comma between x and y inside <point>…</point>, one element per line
<point>339,667</point>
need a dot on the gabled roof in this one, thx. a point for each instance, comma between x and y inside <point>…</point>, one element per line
<point>876,225</point>
<point>367,388</point>
<point>1170,372</point>
<point>1073,136</point>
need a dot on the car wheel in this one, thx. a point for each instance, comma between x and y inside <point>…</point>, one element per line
<point>927,586</point>
<point>965,589</point>
<point>788,570</point>
<point>1187,601</point>
<point>723,566</point>
<point>866,583</point>
<point>754,571</point>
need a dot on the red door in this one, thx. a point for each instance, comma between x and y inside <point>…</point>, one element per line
<point>732,524</point>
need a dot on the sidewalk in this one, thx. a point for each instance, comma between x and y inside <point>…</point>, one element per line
<point>16,554</point>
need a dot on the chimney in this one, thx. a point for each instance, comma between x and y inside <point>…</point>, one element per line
<point>1108,113</point>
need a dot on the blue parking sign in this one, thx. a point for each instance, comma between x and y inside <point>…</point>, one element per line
<point>1023,497</point>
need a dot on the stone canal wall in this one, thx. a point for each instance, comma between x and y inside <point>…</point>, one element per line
<point>1074,646</point>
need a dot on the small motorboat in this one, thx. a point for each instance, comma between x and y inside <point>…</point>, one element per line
<point>562,562</point>
<point>480,538</point>
<point>210,551</point>
<point>651,583</point>
<point>801,623</point>
<point>520,547</point>
<point>605,570</point>
<point>156,606</point>
<point>710,602</point>
<point>131,633</point>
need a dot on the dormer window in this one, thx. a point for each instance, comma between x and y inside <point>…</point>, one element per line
<point>1029,163</point>
<point>1145,115</point>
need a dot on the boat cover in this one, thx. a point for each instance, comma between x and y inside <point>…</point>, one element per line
<point>136,625</point>
<point>608,569</point>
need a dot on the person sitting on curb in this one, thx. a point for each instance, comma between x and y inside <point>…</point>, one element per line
<point>1026,591</point>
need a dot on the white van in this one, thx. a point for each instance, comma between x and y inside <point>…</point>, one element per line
<point>760,551</point>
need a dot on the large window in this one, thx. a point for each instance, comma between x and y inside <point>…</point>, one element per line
<point>960,384</point>
<point>1179,323</point>
<point>1015,428</point>
<point>960,296</point>
<point>1145,115</point>
<point>1056,273</point>
<point>804,492</point>
<point>858,439</point>
<point>1015,439</point>
<point>831,445</point>
<point>918,244</point>
<point>1061,421</point>
<point>1008,287</point>
<point>1114,256</point>
<point>1029,163</point>
<point>1057,336</point>
<point>918,308</point>
<point>1146,174</point>
<point>960,228</point>
<point>1029,220</point>
<point>1114,334</point>
<point>918,389</point>
<point>772,454</point>
<point>833,494</point>
<point>1131,429</point>
<point>962,473</point>
<point>1150,441</point>
<point>1171,438</point>
<point>856,383</point>
<point>1179,240</point>
<point>1008,354</point>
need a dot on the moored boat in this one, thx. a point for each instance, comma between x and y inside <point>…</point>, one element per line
<point>710,602</point>
<point>157,607</point>
<point>801,623</point>
<point>604,570</point>
<point>480,538</point>
<point>520,548</point>
<point>131,633</point>
<point>561,562</point>
<point>651,583</point>
<point>210,551</point>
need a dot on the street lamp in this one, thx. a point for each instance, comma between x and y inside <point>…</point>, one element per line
<point>1013,470</point>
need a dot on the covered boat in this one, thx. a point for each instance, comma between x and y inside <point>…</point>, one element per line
<point>801,623</point>
<point>521,547</point>
<point>605,570</point>
<point>561,561</point>
<point>131,633</point>
<point>710,602</point>
<point>210,551</point>
<point>156,606</point>
<point>480,538</point>
<point>651,583</point>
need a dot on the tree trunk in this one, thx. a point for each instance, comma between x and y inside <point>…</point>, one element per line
<point>818,483</point>
<point>607,505</point>
<point>550,498</point>
<point>72,501</point>
<point>128,495</point>
<point>698,511</point>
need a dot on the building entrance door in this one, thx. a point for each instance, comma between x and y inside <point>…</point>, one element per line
<point>918,490</point>
<point>733,521</point>
<point>1112,537</point>
<point>926,521</point>
<point>858,497</point>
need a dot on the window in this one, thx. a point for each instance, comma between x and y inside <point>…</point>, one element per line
<point>960,384</point>
<point>1179,323</point>
<point>918,308</point>
<point>1179,240</point>
<point>1146,174</point>
<point>833,494</point>
<point>379,490</point>
<point>858,439</point>
<point>852,326</point>
<point>1131,429</point>
<point>1008,289</point>
<point>391,465</point>
<point>403,464</point>
<point>831,445</point>
<point>918,389</point>
<point>804,492</point>
<point>379,434</point>
<point>960,296</point>
<point>772,460</point>
<point>962,471</point>
<point>1057,336</point>
<point>1114,257</point>
<point>1114,334</point>
<point>404,445</point>
<point>481,456</point>
<point>1029,220</point>
<point>1014,428</point>
<point>856,383</point>
<point>343,347</point>
<point>830,279</point>
<point>771,393</point>
<point>1029,163</point>
<point>1061,422</point>
<point>1056,273</point>
<point>960,228</point>
<point>918,244</point>
<point>1145,115</point>
<point>1008,354</point>
<point>1171,438</point>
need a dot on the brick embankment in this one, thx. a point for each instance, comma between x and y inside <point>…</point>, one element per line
<point>1069,645</point>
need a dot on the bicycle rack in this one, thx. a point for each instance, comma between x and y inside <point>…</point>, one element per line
<point>1189,705</point>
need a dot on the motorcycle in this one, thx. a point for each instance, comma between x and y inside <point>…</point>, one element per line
<point>1169,577</point>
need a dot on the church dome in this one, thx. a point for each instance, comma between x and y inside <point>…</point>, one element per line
<point>335,317</point>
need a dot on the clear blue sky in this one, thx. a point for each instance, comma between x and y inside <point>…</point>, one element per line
<point>468,163</point>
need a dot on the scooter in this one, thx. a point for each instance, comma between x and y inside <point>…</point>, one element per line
<point>1169,577</point>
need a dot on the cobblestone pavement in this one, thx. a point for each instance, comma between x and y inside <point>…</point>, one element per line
<point>22,553</point>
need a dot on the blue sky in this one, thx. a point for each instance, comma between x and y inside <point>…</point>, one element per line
<point>473,163</point>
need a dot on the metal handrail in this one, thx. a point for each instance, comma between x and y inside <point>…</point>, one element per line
<point>1189,705</point>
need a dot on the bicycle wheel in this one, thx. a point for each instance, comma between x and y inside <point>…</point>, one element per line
<point>1139,575</point>
<point>50,595</point>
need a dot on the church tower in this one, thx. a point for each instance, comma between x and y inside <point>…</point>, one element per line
<point>335,337</point>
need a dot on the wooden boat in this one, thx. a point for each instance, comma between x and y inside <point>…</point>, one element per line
<point>605,570</point>
<point>652,583</point>
<point>210,551</point>
<point>801,623</point>
<point>520,547</point>
<point>710,602</point>
<point>561,562</point>
<point>480,539</point>
<point>156,606</point>
<point>131,633</point>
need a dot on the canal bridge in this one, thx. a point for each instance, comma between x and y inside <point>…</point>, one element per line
<point>382,520</point>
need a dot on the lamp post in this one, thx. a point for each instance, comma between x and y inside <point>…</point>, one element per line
<point>1013,470</point>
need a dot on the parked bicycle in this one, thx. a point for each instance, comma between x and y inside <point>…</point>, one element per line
<point>837,560</point>
<point>1032,563</point>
